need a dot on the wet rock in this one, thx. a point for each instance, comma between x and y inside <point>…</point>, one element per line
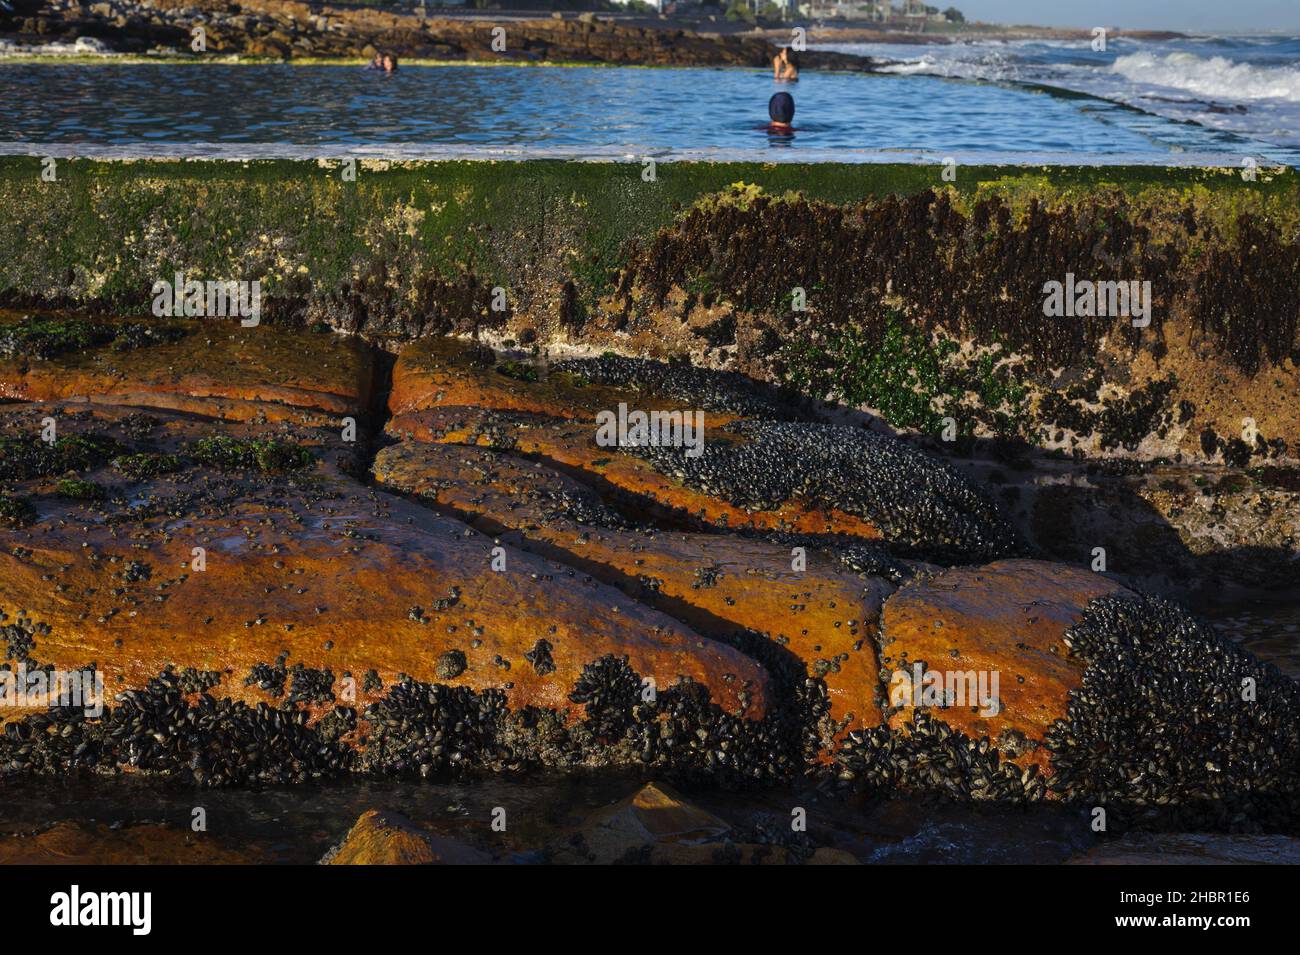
<point>389,838</point>
<point>654,817</point>
<point>88,843</point>
<point>657,826</point>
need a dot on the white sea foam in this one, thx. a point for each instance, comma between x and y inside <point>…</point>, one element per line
<point>1217,76</point>
<point>1229,89</point>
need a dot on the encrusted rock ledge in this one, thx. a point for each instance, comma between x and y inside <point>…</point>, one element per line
<point>499,592</point>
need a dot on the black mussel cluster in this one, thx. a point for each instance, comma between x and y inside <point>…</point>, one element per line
<point>929,756</point>
<point>1174,717</point>
<point>922,506</point>
<point>689,386</point>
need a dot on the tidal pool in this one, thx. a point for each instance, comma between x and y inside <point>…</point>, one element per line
<point>250,111</point>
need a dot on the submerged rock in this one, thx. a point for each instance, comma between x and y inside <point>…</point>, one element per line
<point>1185,848</point>
<point>657,826</point>
<point>89,843</point>
<point>389,838</point>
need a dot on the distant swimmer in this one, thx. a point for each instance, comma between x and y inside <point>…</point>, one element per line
<point>785,66</point>
<point>781,109</point>
<point>376,62</point>
<point>390,63</point>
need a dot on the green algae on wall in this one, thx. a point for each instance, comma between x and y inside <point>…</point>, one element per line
<point>414,246</point>
<point>703,257</point>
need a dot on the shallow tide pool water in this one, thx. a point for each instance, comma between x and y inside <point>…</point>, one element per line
<point>432,112</point>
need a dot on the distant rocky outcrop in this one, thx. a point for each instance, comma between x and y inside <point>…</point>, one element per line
<point>285,29</point>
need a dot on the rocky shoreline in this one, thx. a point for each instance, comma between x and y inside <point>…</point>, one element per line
<point>1172,447</point>
<point>377,539</point>
<point>468,582</point>
<point>288,30</point>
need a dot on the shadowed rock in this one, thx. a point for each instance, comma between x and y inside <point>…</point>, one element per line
<point>657,826</point>
<point>86,843</point>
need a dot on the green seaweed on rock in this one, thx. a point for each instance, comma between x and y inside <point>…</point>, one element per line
<point>79,490</point>
<point>146,464</point>
<point>43,338</point>
<point>14,511</point>
<point>269,456</point>
<point>25,457</point>
<point>912,379</point>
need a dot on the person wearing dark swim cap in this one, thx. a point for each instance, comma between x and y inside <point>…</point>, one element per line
<point>781,109</point>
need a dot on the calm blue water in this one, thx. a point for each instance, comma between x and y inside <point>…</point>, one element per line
<point>482,112</point>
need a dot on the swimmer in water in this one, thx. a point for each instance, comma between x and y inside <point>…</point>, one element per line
<point>785,66</point>
<point>376,62</point>
<point>781,109</point>
<point>390,63</point>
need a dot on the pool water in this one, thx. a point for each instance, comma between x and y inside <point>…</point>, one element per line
<point>249,111</point>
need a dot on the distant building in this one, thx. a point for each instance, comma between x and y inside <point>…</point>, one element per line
<point>903,13</point>
<point>657,4</point>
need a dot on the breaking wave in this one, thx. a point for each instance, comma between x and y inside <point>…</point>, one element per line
<point>1217,76</point>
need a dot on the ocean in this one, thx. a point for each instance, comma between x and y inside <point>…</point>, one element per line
<point>1246,85</point>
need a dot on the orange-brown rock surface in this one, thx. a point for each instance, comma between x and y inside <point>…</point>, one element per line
<point>386,838</point>
<point>274,593</point>
<point>313,565</point>
<point>761,463</point>
<point>77,843</point>
<point>823,614</point>
<point>1006,618</point>
<point>446,390</point>
<point>214,367</point>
